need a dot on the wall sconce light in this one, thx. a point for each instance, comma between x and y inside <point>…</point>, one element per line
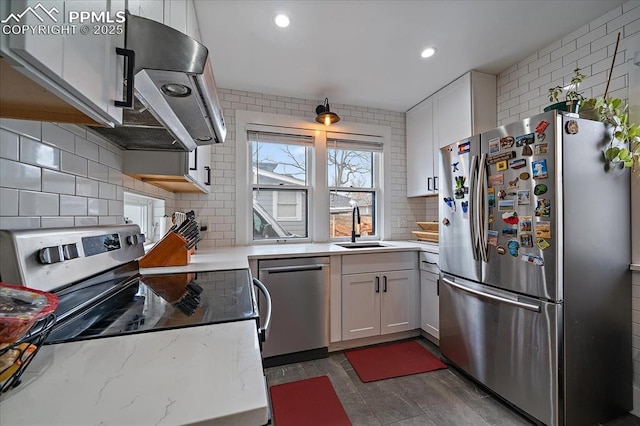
<point>325,115</point>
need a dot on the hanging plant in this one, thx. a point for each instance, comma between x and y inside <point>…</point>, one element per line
<point>623,152</point>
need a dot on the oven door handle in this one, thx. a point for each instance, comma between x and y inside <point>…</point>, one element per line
<point>264,330</point>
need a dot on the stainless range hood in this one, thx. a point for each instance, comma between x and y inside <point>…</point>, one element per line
<point>175,105</point>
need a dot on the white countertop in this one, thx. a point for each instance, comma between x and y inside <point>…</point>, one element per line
<point>181,376</point>
<point>212,259</point>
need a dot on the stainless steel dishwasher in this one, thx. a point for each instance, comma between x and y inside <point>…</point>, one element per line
<point>299,289</point>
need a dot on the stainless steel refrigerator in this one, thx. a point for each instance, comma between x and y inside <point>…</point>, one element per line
<point>535,286</point>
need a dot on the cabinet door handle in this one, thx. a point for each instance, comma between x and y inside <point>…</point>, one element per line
<point>435,183</point>
<point>377,284</point>
<point>384,278</point>
<point>428,184</point>
<point>131,62</point>
<point>438,287</point>
<point>208,169</point>
<point>194,166</point>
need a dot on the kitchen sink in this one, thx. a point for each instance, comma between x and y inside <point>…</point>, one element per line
<point>360,245</point>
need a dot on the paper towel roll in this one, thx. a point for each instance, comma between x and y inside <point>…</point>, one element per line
<point>165,225</point>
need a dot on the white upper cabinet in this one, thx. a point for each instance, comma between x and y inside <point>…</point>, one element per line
<point>76,60</point>
<point>178,14</point>
<point>150,9</point>
<point>465,107</point>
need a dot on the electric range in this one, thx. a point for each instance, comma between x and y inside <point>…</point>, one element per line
<point>94,273</point>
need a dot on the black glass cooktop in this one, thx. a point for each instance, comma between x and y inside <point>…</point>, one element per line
<point>116,305</point>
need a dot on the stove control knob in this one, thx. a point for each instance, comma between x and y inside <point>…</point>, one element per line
<point>70,251</point>
<point>50,255</point>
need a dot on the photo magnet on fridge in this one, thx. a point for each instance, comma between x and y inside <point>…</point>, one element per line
<point>525,224</point>
<point>532,258</point>
<point>541,149</point>
<point>543,230</point>
<point>543,207</point>
<point>539,168</point>
<point>527,139</point>
<point>492,238</point>
<point>496,180</point>
<point>526,240</point>
<point>509,231</point>
<point>491,197</point>
<point>494,145</point>
<point>501,165</point>
<point>507,142</point>
<point>524,197</point>
<point>505,205</point>
<point>517,163</point>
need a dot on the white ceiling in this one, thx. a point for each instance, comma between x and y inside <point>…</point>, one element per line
<point>367,53</point>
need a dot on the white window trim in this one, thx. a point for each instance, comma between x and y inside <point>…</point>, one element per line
<point>318,222</point>
<point>276,208</point>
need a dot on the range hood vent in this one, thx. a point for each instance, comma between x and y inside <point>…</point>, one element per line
<point>176,106</point>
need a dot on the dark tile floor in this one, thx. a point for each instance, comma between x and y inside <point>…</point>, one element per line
<point>442,397</point>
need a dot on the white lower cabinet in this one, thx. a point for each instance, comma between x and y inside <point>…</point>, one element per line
<point>376,302</point>
<point>429,294</point>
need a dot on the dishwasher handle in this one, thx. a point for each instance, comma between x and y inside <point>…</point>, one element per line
<point>264,330</point>
<point>295,268</point>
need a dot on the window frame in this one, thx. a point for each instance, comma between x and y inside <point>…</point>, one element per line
<point>318,216</point>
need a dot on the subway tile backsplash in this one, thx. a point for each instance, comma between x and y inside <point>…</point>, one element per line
<point>62,176</point>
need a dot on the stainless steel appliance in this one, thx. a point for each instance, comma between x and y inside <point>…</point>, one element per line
<point>535,296</point>
<point>94,273</point>
<point>299,289</point>
<point>172,79</point>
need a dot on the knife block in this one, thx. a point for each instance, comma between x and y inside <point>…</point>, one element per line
<point>169,251</point>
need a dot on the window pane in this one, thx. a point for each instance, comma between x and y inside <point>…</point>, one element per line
<point>292,214</point>
<point>350,168</point>
<point>279,164</point>
<point>341,209</point>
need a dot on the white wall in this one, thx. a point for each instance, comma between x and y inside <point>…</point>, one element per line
<point>219,207</point>
<point>523,87</point>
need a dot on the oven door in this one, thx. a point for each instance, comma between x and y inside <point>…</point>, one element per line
<point>507,342</point>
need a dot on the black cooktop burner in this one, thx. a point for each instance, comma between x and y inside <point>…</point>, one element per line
<point>150,303</point>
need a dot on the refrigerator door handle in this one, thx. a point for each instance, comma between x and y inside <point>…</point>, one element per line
<point>480,211</point>
<point>528,306</point>
<point>472,207</point>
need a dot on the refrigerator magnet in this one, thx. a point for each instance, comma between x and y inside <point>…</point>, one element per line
<point>524,197</point>
<point>464,148</point>
<point>525,224</point>
<point>539,168</point>
<point>526,151</point>
<point>543,230</point>
<point>572,127</point>
<point>508,230</point>
<point>513,184</point>
<point>543,207</point>
<point>455,166</point>
<point>492,238</point>
<point>502,193</point>
<point>505,205</point>
<point>541,149</point>
<point>507,142</point>
<point>542,126</point>
<point>527,139</point>
<point>465,207</point>
<point>490,218</point>
<point>496,180</point>
<point>500,157</point>
<point>517,163</point>
<point>540,189</point>
<point>532,258</point>
<point>494,145</point>
<point>513,246</point>
<point>500,250</point>
<point>450,202</point>
<point>501,165</point>
<point>510,218</point>
<point>491,197</point>
<point>524,176</point>
<point>541,136</point>
<point>526,240</point>
<point>542,243</point>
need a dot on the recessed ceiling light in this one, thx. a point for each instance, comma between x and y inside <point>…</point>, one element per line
<point>428,52</point>
<point>282,20</point>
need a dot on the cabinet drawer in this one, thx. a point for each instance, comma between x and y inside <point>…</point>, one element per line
<point>378,262</point>
<point>429,262</point>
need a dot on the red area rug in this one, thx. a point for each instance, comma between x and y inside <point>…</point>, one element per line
<point>310,402</point>
<point>393,360</point>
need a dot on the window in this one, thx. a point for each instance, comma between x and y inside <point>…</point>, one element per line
<point>353,181</point>
<point>280,180</point>
<point>146,212</point>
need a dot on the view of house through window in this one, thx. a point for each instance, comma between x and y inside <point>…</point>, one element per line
<point>146,212</point>
<point>352,177</point>
<point>280,170</point>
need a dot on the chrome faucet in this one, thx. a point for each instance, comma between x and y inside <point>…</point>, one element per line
<point>356,211</point>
